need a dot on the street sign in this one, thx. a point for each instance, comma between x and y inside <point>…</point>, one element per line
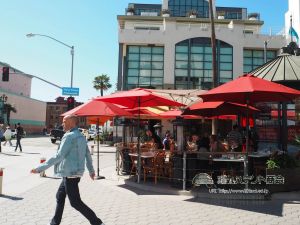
<point>70,91</point>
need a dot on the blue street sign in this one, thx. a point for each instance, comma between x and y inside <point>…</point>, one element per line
<point>70,91</point>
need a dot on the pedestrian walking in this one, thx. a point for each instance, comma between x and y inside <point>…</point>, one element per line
<point>7,135</point>
<point>1,136</point>
<point>69,163</point>
<point>19,135</point>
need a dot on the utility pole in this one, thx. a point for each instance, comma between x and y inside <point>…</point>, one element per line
<point>215,77</point>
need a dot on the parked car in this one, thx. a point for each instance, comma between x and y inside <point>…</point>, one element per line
<point>56,134</point>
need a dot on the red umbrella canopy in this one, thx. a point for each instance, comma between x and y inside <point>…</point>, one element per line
<point>138,98</point>
<point>210,109</point>
<point>172,114</point>
<point>98,108</point>
<point>252,88</point>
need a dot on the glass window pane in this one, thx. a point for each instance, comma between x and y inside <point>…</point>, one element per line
<point>226,51</point>
<point>133,64</point>
<point>207,73</point>
<point>133,49</point>
<point>271,54</point>
<point>207,65</point>
<point>145,73</point>
<point>145,65</point>
<point>145,57</point>
<point>133,72</point>
<point>157,73</point>
<point>157,65</point>
<point>226,58</point>
<point>133,57</point>
<point>182,49</point>
<point>145,50</point>
<point>132,80</point>
<point>248,61</point>
<point>181,65</point>
<point>197,73</point>
<point>181,73</point>
<point>157,50</point>
<point>225,66</point>
<point>257,61</point>
<point>196,49</point>
<point>180,56</point>
<point>225,74</point>
<point>144,81</point>
<point>196,65</point>
<point>157,81</point>
<point>247,68</point>
<point>208,50</point>
<point>258,54</point>
<point>196,57</point>
<point>247,53</point>
<point>159,58</point>
<point>208,57</point>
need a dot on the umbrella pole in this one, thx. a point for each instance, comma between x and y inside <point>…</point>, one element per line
<point>246,172</point>
<point>138,143</point>
<point>98,177</point>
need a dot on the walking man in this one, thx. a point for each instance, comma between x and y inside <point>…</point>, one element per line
<point>69,163</point>
<point>19,135</point>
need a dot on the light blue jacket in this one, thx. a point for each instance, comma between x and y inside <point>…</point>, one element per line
<point>70,157</point>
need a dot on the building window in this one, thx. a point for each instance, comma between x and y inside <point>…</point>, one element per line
<point>145,67</point>
<point>255,58</point>
<point>193,63</point>
<point>180,8</point>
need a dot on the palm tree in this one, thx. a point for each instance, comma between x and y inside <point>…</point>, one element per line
<point>8,108</point>
<point>102,83</point>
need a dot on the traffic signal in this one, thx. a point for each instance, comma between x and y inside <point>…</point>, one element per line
<point>70,102</point>
<point>5,73</point>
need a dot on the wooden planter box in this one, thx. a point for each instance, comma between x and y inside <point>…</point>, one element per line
<point>291,179</point>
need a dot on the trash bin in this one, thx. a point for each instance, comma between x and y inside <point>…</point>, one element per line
<point>1,180</point>
<point>126,162</point>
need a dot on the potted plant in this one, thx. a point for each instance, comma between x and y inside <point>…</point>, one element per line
<point>193,13</point>
<point>130,11</point>
<point>165,13</point>
<point>288,167</point>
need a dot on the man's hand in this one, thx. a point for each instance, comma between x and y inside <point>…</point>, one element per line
<point>34,171</point>
<point>92,175</point>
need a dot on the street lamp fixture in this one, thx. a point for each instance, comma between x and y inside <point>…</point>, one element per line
<point>69,46</point>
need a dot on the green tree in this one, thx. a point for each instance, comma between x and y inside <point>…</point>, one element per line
<point>8,108</point>
<point>102,83</point>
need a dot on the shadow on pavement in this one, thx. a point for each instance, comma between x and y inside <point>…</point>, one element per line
<point>14,198</point>
<point>270,207</point>
<point>8,154</point>
<point>31,153</point>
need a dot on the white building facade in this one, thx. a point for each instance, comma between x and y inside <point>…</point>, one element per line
<point>173,51</point>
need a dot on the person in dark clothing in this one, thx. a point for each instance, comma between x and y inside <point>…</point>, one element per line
<point>19,135</point>
<point>203,144</point>
<point>155,139</point>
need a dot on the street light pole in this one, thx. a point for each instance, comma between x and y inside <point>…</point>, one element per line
<point>54,39</point>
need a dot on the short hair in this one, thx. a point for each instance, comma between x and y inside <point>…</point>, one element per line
<point>74,118</point>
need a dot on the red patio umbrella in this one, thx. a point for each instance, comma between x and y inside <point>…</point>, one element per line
<point>248,89</point>
<point>210,109</point>
<point>100,111</point>
<point>138,97</point>
<point>172,114</point>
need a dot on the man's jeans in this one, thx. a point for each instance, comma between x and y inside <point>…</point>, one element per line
<point>69,186</point>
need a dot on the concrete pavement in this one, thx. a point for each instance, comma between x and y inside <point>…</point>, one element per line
<point>30,200</point>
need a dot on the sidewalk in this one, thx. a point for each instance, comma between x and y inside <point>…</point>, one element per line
<point>119,202</point>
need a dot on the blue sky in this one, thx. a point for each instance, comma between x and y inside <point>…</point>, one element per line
<point>91,26</point>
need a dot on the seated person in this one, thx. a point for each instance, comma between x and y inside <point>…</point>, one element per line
<point>192,145</point>
<point>154,138</point>
<point>235,139</point>
<point>215,144</point>
<point>167,142</point>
